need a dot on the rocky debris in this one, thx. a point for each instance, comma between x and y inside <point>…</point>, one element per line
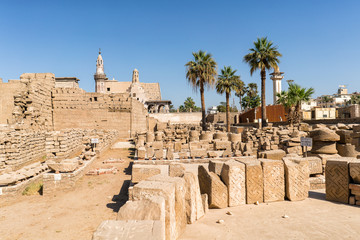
<point>101,171</point>
<point>64,166</point>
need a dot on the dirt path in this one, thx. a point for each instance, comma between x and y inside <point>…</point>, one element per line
<point>313,218</point>
<point>69,215</point>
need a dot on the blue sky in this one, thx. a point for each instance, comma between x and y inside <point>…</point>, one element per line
<point>318,39</point>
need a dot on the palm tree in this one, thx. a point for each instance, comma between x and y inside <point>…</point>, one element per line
<point>226,83</point>
<point>240,92</point>
<point>292,100</point>
<point>263,56</point>
<point>201,73</point>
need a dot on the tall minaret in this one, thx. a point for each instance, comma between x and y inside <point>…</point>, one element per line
<point>100,75</point>
<point>276,76</point>
<point>135,76</point>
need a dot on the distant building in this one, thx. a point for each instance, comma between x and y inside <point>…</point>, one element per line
<point>147,93</point>
<point>319,113</point>
<point>337,100</point>
<point>350,111</point>
<point>212,110</point>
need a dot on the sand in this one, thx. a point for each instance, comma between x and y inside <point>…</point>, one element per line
<point>313,218</point>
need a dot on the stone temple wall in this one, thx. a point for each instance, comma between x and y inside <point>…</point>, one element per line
<point>19,148</point>
<point>75,108</point>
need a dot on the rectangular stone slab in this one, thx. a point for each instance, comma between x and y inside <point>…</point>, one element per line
<point>337,181</point>
<point>124,230</point>
<point>180,191</point>
<point>193,200</point>
<point>297,183</point>
<point>141,171</point>
<point>254,181</point>
<point>216,190</point>
<point>233,175</point>
<point>148,189</point>
<point>274,180</point>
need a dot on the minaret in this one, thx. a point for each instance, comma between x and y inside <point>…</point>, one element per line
<point>276,76</point>
<point>100,75</point>
<point>135,76</point>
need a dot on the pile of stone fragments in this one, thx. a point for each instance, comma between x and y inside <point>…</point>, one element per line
<point>181,171</point>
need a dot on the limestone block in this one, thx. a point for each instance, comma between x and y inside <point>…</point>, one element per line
<point>227,153</point>
<point>274,182</point>
<point>183,155</point>
<point>148,189</point>
<point>324,147</point>
<point>216,166</point>
<point>124,230</point>
<point>233,175</point>
<point>337,180</point>
<point>176,170</point>
<point>159,154</point>
<point>141,152</point>
<point>177,146</point>
<point>207,136</point>
<point>254,181</point>
<point>169,154</point>
<point>216,190</point>
<point>222,145</point>
<point>143,171</point>
<point>67,165</point>
<point>180,192</point>
<point>234,137</point>
<point>193,200</point>
<point>150,137</point>
<point>198,153</point>
<point>150,152</point>
<point>354,168</point>
<point>205,202</point>
<point>317,182</point>
<point>222,136</point>
<point>212,154</point>
<point>272,154</point>
<point>146,209</point>
<point>324,135</point>
<point>157,145</point>
<point>346,150</point>
<point>345,136</point>
<point>297,179</point>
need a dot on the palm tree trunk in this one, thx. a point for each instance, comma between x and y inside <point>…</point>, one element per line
<point>240,103</point>
<point>263,103</point>
<point>202,105</point>
<point>227,112</point>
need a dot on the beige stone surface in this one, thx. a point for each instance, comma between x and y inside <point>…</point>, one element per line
<point>176,170</point>
<point>216,166</point>
<point>147,189</point>
<point>272,154</point>
<point>233,175</point>
<point>180,192</point>
<point>296,179</point>
<point>141,172</point>
<point>145,209</point>
<point>254,181</point>
<point>125,230</point>
<point>354,169</point>
<point>274,180</point>
<point>216,190</point>
<point>337,180</point>
<point>193,200</point>
<point>313,218</point>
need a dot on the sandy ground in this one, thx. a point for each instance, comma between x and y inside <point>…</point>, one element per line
<point>69,215</point>
<point>313,218</point>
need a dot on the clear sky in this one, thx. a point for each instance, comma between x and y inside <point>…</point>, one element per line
<point>319,40</point>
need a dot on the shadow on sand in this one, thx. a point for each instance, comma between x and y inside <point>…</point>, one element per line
<point>120,199</point>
